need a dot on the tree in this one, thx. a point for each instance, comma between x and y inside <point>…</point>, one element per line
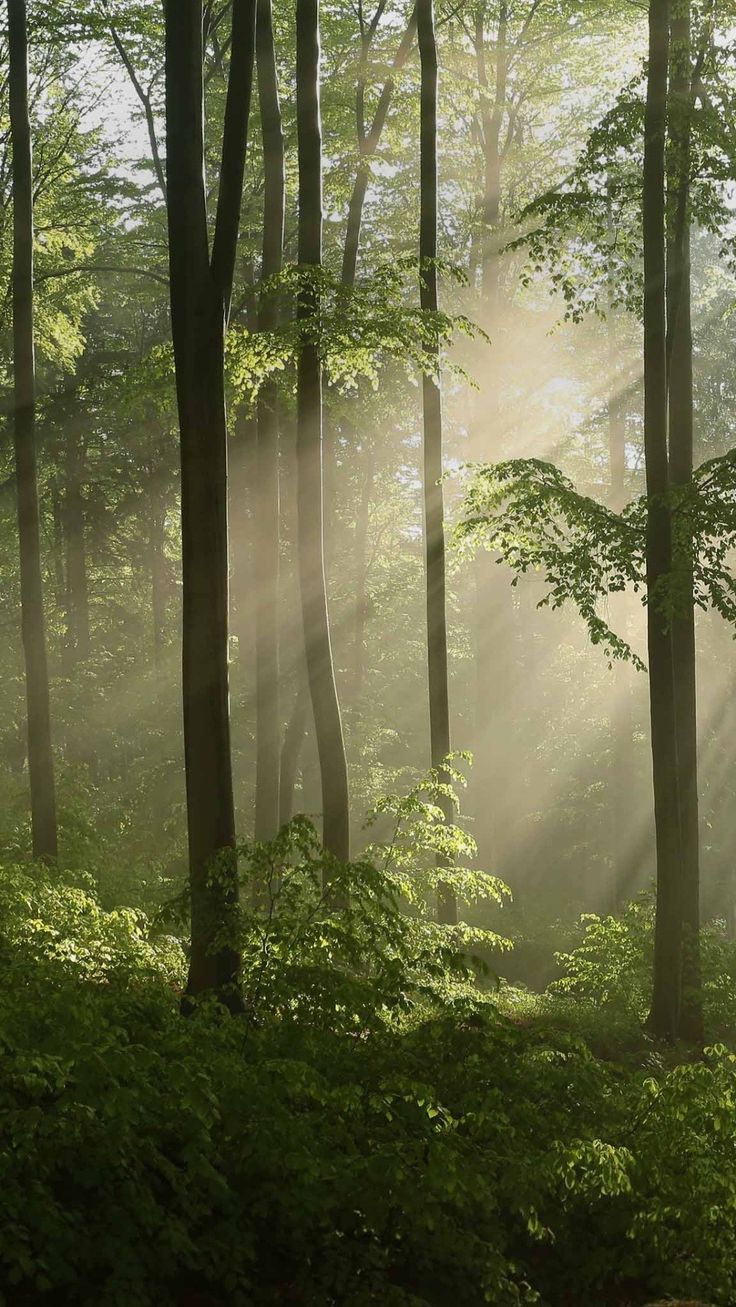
<point>268,730</point>
<point>434,525</point>
<point>40,756</point>
<point>310,491</point>
<point>665,1015</point>
<point>680,386</point>
<point>201,291</point>
<point>369,138</point>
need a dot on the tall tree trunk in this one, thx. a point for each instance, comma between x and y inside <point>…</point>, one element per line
<point>434,526</point>
<point>78,630</point>
<point>493,724</point>
<point>368,142</point>
<point>40,756</point>
<point>267,487</point>
<point>310,505</point>
<point>665,1013</point>
<point>201,290</point>
<point>680,377</point>
<point>621,725</point>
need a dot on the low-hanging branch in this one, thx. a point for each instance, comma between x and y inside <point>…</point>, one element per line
<point>532,515</point>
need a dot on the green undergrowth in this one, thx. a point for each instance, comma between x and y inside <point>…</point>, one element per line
<point>379,1126</point>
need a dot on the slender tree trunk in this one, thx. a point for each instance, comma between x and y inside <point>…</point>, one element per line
<point>267,488</point>
<point>362,528</point>
<point>294,737</point>
<point>201,290</point>
<point>368,142</point>
<point>665,1014</point>
<point>157,564</point>
<point>493,724</point>
<point>40,756</point>
<point>434,526</point>
<point>680,377</point>
<point>621,726</point>
<point>78,629</point>
<point>310,506</point>
<point>60,600</point>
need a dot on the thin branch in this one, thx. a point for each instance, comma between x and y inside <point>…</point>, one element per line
<point>103,267</point>
<point>144,98</point>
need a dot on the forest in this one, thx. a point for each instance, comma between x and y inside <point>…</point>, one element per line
<point>368,678</point>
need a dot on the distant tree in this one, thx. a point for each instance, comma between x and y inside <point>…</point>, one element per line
<point>40,757</point>
<point>310,491</point>
<point>434,525</point>
<point>665,1016</point>
<point>268,727</point>
<point>680,387</point>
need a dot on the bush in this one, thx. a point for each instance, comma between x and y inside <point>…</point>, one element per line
<point>374,1128</point>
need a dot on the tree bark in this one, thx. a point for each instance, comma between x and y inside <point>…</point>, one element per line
<point>494,723</point>
<point>620,718</point>
<point>310,506</point>
<point>665,1012</point>
<point>201,290</point>
<point>680,379</point>
<point>268,730</point>
<point>40,755</point>
<point>434,527</point>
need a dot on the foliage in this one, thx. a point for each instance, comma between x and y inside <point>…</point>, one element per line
<point>424,851</point>
<point>359,329</point>
<point>320,1144</point>
<point>536,519</point>
<point>610,967</point>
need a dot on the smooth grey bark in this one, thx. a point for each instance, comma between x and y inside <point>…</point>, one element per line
<point>310,490</point>
<point>40,755</point>
<point>620,718</point>
<point>494,722</point>
<point>201,290</point>
<point>665,1010</point>
<point>268,729</point>
<point>680,381</point>
<point>434,526</point>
